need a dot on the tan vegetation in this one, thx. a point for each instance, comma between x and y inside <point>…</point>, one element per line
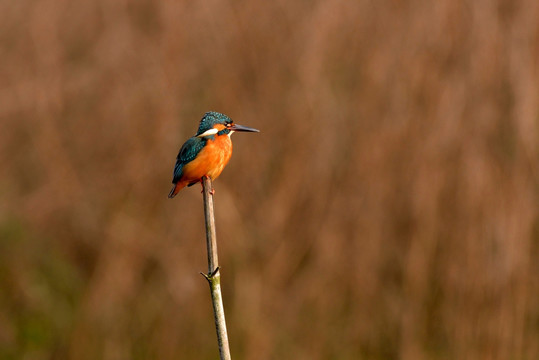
<point>387,210</point>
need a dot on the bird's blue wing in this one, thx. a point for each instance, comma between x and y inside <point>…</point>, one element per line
<point>188,153</point>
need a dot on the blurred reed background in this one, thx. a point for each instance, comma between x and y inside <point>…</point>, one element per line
<point>387,210</point>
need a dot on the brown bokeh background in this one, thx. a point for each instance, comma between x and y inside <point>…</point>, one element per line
<point>387,210</point>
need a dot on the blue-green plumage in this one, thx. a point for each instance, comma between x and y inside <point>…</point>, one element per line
<point>188,153</point>
<point>210,119</point>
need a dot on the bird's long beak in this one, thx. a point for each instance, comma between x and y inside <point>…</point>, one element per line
<point>236,127</point>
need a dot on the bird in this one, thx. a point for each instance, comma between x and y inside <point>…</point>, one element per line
<point>206,153</point>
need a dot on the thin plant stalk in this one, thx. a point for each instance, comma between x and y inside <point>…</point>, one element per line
<point>213,276</point>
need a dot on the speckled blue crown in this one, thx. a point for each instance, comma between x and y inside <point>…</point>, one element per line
<point>210,119</point>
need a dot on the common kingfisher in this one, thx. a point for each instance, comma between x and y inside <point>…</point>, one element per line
<point>206,153</point>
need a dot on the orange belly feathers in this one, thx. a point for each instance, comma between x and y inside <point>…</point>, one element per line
<point>211,161</point>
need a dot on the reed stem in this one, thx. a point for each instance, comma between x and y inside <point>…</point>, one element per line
<point>213,276</point>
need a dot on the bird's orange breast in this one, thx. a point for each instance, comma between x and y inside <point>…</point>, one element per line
<point>211,160</point>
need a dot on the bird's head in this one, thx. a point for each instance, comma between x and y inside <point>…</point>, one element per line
<point>214,123</point>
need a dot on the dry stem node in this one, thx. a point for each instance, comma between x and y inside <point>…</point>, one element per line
<point>209,277</point>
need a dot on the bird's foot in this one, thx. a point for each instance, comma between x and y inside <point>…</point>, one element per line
<point>212,191</point>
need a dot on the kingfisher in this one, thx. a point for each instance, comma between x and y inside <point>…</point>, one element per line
<point>206,153</point>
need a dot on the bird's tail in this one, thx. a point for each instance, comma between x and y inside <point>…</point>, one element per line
<point>175,189</point>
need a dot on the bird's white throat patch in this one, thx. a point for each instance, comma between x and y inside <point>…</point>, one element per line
<point>208,132</point>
